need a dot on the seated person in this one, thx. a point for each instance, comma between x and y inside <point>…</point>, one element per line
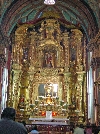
<point>34,130</point>
<point>8,124</point>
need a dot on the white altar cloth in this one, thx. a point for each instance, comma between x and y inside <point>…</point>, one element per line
<point>56,121</point>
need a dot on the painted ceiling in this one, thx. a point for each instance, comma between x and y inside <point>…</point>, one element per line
<point>83,13</point>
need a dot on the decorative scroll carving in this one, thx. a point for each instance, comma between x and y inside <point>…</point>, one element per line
<point>95,62</point>
<point>2,60</point>
<point>4,44</point>
<point>43,55</point>
<point>94,46</point>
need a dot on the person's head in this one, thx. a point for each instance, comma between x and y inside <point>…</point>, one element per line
<point>34,127</point>
<point>8,113</point>
<point>81,126</point>
<point>76,125</point>
<point>88,126</point>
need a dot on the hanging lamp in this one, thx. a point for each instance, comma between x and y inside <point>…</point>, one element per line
<point>49,2</point>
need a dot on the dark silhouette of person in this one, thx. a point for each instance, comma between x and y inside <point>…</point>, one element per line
<point>34,130</point>
<point>8,125</point>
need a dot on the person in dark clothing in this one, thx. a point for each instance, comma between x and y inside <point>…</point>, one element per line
<point>8,124</point>
<point>95,129</point>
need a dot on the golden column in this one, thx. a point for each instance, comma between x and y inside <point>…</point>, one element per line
<point>66,44</point>
<point>66,72</point>
<point>79,70</point>
<point>21,61</point>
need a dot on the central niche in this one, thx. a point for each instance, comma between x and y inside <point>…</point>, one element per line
<point>49,58</point>
<point>48,90</point>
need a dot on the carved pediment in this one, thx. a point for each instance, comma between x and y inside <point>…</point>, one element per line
<point>49,42</point>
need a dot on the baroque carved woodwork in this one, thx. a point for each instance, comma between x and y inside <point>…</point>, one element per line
<point>94,47</point>
<point>48,53</point>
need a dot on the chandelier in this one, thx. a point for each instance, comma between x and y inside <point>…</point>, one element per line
<point>49,2</point>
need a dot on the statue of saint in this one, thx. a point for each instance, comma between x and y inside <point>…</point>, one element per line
<point>73,99</point>
<point>48,89</point>
<point>48,60</point>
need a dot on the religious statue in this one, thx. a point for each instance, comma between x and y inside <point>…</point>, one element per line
<point>48,60</point>
<point>48,89</point>
<point>21,102</point>
<point>73,98</point>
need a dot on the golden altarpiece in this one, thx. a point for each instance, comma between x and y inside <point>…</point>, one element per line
<point>48,71</point>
